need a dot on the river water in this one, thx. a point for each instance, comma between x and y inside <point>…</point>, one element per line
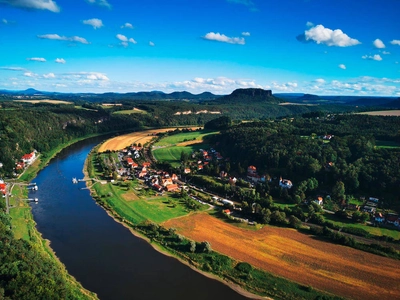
<point>99,252</point>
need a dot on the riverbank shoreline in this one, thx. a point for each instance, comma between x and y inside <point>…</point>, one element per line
<point>240,290</point>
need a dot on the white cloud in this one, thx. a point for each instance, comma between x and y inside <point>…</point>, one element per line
<point>329,37</point>
<point>30,74</point>
<point>151,44</point>
<point>100,3</point>
<point>85,76</point>
<point>246,33</point>
<point>4,21</point>
<point>378,44</point>
<point>310,24</point>
<point>385,52</point>
<point>40,59</point>
<point>219,85</point>
<point>63,38</point>
<point>376,57</point>
<point>223,38</point>
<point>342,66</point>
<point>320,81</point>
<point>124,40</point>
<point>33,4</point>
<point>127,25</point>
<point>95,23</point>
<point>395,42</point>
<point>48,76</point>
<point>60,60</point>
<point>287,87</point>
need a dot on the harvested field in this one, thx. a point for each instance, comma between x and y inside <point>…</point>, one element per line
<point>394,113</point>
<point>304,259</point>
<point>122,141</point>
<point>45,101</point>
<point>131,111</point>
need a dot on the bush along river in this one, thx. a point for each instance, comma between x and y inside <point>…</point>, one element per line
<point>103,255</point>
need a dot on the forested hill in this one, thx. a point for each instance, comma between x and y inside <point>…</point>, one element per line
<point>296,149</point>
<point>249,96</point>
<point>24,129</point>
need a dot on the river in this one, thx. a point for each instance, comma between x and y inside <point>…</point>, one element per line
<point>102,254</point>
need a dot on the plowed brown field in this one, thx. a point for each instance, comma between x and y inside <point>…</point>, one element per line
<point>287,253</point>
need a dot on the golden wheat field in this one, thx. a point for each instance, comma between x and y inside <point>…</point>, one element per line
<point>392,113</point>
<point>122,141</point>
<point>298,257</point>
<point>45,101</point>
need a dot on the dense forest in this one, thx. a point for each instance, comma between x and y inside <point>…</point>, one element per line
<point>333,149</point>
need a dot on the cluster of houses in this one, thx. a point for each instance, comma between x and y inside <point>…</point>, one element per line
<point>389,218</point>
<point>25,161</point>
<point>253,176</point>
<point>159,180</point>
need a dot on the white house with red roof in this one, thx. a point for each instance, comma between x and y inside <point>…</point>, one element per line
<point>29,158</point>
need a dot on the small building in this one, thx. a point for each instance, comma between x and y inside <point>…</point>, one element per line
<point>285,183</point>
<point>29,158</point>
<point>372,199</point>
<point>3,188</point>
<point>174,177</point>
<point>129,161</point>
<point>157,187</point>
<point>172,187</point>
<point>379,218</point>
<point>252,170</point>
<point>187,171</point>
<point>146,164</point>
<point>319,201</point>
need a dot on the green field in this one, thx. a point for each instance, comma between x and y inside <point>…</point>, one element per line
<point>149,207</point>
<point>170,151</point>
<point>172,155</point>
<point>184,137</point>
<point>387,144</point>
<point>372,230</point>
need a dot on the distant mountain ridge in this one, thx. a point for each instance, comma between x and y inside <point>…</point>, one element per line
<point>153,95</point>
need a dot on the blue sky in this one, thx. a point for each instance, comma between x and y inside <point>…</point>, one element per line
<point>312,46</point>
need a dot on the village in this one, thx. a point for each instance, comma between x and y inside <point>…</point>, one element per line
<point>131,164</point>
